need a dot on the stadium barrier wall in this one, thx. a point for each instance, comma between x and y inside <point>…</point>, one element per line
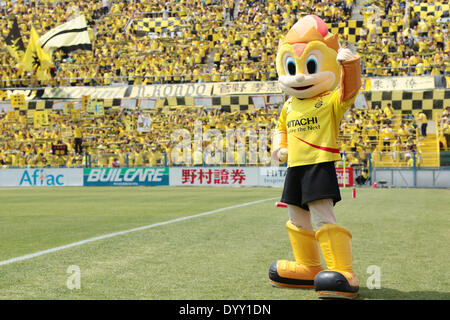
<point>153,176</point>
<point>274,176</point>
<point>210,176</point>
<point>412,178</point>
<point>240,176</point>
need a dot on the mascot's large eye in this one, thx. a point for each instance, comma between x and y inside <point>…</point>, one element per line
<point>291,67</point>
<point>312,65</point>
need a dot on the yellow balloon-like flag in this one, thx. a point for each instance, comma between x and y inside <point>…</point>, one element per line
<point>35,58</point>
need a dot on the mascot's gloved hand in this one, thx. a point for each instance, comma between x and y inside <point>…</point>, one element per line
<point>282,155</point>
<point>344,54</point>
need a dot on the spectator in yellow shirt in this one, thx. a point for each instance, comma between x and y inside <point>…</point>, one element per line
<point>78,138</point>
<point>386,136</point>
<point>422,123</point>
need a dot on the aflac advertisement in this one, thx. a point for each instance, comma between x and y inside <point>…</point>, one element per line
<point>41,177</point>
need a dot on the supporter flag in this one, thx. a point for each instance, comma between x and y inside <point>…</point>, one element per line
<point>90,106</point>
<point>18,101</point>
<point>36,59</point>
<point>75,115</point>
<point>12,115</point>
<point>69,108</point>
<point>14,42</point>
<point>40,118</point>
<point>69,36</point>
<point>99,110</point>
<point>144,123</point>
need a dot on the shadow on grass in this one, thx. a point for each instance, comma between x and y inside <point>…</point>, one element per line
<point>393,294</point>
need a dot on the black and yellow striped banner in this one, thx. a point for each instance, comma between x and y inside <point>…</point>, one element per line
<point>438,9</point>
<point>431,101</point>
<point>350,29</point>
<point>156,25</point>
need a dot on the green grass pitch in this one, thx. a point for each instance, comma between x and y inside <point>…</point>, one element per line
<point>224,255</point>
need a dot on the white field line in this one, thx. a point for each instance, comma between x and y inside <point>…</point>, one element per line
<point>119,233</point>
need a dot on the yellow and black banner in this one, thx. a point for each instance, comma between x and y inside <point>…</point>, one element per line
<point>437,9</point>
<point>350,29</point>
<point>156,25</point>
<point>14,42</point>
<point>35,58</point>
<point>39,105</point>
<point>407,102</point>
<point>224,103</point>
<point>208,89</point>
<point>5,95</point>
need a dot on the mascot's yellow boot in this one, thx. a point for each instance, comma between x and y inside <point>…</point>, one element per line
<point>301,272</point>
<point>339,281</point>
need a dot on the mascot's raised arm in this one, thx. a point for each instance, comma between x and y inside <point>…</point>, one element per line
<point>323,81</point>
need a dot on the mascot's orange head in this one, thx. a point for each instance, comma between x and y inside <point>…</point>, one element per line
<point>306,59</point>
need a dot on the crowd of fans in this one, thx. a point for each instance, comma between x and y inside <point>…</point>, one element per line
<point>246,48</point>
<point>217,40</point>
<point>385,135</point>
<point>390,45</point>
<point>119,54</point>
<point>114,139</point>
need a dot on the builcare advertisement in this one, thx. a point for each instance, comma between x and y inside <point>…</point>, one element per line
<point>158,176</point>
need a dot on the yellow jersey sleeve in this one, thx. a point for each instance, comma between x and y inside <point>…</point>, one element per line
<point>281,124</point>
<point>340,108</point>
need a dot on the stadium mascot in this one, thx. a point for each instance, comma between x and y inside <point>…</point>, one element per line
<point>323,81</point>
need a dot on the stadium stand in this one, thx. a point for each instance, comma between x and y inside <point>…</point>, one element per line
<point>415,49</point>
<point>388,136</point>
<point>238,39</point>
<point>114,136</point>
<point>161,42</point>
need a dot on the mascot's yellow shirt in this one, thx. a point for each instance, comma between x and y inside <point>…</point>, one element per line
<point>312,127</point>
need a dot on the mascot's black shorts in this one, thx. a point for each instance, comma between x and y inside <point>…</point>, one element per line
<point>304,184</point>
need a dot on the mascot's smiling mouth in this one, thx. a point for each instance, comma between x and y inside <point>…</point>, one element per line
<point>306,86</point>
<point>302,88</point>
